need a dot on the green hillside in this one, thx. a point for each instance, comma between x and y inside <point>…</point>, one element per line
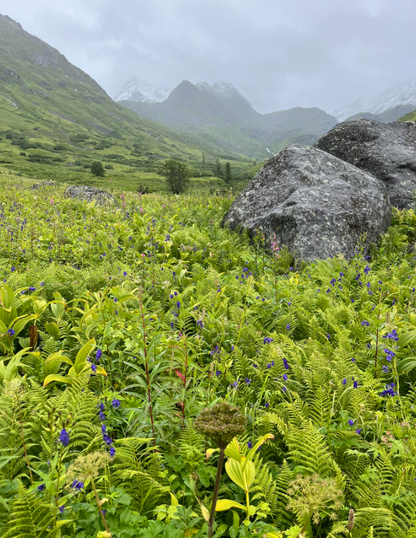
<point>55,120</point>
<point>223,116</point>
<point>409,117</point>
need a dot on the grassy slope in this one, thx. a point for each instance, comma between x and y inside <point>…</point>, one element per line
<point>409,117</point>
<point>70,121</point>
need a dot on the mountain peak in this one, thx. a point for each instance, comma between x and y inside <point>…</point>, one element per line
<point>221,89</point>
<point>142,92</point>
<point>402,93</point>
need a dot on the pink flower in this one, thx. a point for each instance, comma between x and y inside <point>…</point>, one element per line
<point>51,202</point>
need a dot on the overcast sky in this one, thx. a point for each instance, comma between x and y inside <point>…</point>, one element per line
<point>278,53</point>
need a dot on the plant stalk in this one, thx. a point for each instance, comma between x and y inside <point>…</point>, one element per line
<point>216,490</point>
<point>100,507</point>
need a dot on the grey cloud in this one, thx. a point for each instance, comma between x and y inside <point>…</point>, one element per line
<point>278,53</point>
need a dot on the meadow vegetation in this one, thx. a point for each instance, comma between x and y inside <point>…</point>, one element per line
<point>120,326</point>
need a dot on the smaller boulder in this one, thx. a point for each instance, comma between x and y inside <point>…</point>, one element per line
<point>89,194</point>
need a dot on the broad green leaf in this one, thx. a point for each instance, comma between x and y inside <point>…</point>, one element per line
<point>60,378</point>
<point>6,297</point>
<point>243,477</point>
<point>233,450</point>
<point>21,322</point>
<point>82,355</point>
<point>406,338</point>
<point>52,329</point>
<point>406,365</point>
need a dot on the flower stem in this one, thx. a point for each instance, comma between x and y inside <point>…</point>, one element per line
<point>99,506</point>
<point>149,395</point>
<point>216,490</point>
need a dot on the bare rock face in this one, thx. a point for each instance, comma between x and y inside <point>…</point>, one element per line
<point>317,205</point>
<point>89,194</point>
<point>388,151</point>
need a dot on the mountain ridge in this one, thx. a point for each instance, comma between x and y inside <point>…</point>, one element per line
<point>137,90</point>
<point>221,112</point>
<point>55,119</point>
<point>402,93</point>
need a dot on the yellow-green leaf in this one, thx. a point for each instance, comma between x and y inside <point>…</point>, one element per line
<point>205,513</point>
<point>82,355</point>
<point>258,444</point>
<point>211,451</point>
<point>56,377</point>
<point>226,504</point>
<point>52,329</point>
<point>20,323</point>
<point>241,472</point>
<point>173,500</point>
<point>233,450</point>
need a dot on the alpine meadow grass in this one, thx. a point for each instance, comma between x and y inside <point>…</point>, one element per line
<point>123,328</point>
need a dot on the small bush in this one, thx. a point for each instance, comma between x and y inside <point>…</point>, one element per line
<point>97,169</point>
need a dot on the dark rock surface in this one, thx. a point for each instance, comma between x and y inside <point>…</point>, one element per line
<point>316,204</point>
<point>89,194</point>
<point>388,151</point>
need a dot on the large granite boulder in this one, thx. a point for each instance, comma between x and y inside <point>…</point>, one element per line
<point>316,204</point>
<point>89,194</point>
<point>386,150</point>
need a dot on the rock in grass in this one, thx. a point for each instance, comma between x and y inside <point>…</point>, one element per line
<point>43,185</point>
<point>317,205</point>
<point>89,194</point>
<point>386,150</point>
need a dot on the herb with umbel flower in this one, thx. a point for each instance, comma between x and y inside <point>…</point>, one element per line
<point>84,470</point>
<point>220,424</point>
<point>313,498</point>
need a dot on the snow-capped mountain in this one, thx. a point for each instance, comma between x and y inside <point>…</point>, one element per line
<point>142,92</point>
<point>220,89</point>
<point>403,93</point>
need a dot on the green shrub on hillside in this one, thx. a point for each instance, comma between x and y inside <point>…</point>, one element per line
<point>97,169</point>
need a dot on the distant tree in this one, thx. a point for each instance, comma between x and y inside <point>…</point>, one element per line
<point>218,168</point>
<point>97,169</point>
<point>177,176</point>
<point>228,174</point>
<point>203,159</point>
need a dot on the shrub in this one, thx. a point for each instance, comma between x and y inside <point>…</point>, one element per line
<point>97,169</point>
<point>177,176</point>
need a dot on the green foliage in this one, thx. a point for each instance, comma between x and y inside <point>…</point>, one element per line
<point>228,174</point>
<point>97,169</point>
<point>181,315</point>
<point>177,176</point>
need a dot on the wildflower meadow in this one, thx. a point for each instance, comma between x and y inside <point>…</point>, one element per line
<point>161,376</point>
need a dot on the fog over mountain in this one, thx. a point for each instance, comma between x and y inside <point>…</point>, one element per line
<point>278,54</point>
